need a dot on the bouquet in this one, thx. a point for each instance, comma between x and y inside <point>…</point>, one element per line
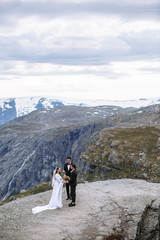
<point>65,177</point>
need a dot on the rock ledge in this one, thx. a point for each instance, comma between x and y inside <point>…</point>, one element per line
<point>122,209</point>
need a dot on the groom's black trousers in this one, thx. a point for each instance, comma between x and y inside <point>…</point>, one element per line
<point>67,190</point>
<point>73,193</point>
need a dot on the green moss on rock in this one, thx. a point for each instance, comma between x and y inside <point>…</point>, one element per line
<point>125,153</point>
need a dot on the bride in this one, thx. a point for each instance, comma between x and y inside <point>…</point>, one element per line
<point>56,198</point>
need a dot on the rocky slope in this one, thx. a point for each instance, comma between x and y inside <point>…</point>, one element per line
<point>110,210</point>
<point>124,152</point>
<point>130,148</point>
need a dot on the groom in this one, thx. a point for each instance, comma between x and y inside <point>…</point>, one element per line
<point>73,184</point>
<point>67,170</point>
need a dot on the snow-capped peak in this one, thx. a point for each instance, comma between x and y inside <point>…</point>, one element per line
<point>11,108</point>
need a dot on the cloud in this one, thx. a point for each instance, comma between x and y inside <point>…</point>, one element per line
<point>53,9</point>
<point>78,32</point>
<point>62,44</point>
<point>81,50</point>
<point>132,86</point>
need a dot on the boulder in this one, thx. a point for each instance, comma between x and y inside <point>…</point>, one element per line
<point>113,157</point>
<point>23,191</point>
<point>114,143</point>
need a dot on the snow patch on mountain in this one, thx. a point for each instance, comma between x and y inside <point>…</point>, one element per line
<point>11,108</point>
<point>137,103</point>
<point>27,105</point>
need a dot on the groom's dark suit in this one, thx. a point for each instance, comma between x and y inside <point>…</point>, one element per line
<point>73,184</point>
<point>67,169</point>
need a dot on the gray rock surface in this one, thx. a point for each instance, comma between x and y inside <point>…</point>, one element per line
<point>115,209</point>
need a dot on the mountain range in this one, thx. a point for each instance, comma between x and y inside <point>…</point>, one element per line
<point>100,140</point>
<point>11,108</point>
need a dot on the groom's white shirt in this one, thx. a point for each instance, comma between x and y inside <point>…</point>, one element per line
<point>68,166</point>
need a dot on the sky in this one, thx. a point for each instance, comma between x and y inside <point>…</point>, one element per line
<point>92,49</point>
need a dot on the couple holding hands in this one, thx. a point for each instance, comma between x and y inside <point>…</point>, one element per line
<point>70,179</point>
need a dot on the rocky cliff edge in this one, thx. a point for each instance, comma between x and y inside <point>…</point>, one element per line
<point>122,209</point>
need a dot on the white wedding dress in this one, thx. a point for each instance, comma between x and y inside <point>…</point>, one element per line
<point>56,198</point>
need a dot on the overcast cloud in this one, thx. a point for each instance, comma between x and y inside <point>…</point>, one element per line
<point>81,48</point>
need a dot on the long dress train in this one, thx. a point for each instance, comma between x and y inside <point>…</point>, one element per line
<point>56,198</point>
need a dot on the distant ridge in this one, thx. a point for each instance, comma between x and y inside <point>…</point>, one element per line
<point>10,108</point>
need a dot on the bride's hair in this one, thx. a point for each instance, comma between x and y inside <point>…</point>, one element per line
<point>57,168</point>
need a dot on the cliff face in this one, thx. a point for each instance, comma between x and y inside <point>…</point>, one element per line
<point>33,145</point>
<point>29,160</point>
<point>109,210</point>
